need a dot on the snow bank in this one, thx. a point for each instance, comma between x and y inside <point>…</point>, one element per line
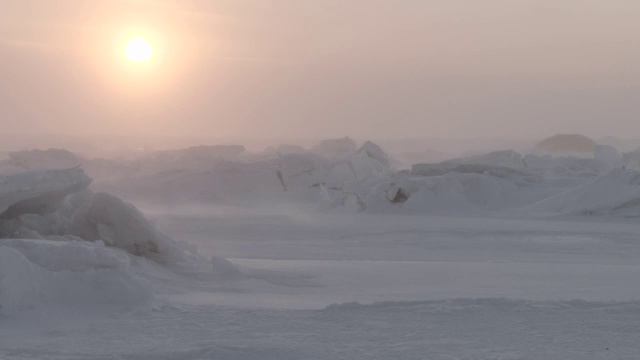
<point>374,151</point>
<point>497,182</point>
<point>63,245</point>
<point>437,189</point>
<point>69,255</point>
<point>35,275</point>
<point>334,173</point>
<point>56,203</point>
<point>515,175</point>
<point>294,176</point>
<point>617,190</point>
<point>121,225</point>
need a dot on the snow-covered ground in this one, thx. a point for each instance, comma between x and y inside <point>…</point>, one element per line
<point>454,329</point>
<point>327,253</point>
<point>319,285</point>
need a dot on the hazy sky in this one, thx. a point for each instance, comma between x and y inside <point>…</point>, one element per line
<point>319,68</point>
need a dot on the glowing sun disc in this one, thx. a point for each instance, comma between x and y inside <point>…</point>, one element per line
<point>138,49</point>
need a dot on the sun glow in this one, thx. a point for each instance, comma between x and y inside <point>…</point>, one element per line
<point>139,57</point>
<point>138,49</point>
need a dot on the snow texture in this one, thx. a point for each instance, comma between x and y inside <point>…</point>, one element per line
<point>328,253</point>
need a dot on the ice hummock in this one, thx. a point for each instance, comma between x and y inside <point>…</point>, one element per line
<point>335,174</point>
<point>617,191</point>
<point>63,245</point>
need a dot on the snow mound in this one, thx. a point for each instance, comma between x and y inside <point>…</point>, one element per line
<point>437,189</point>
<point>69,255</point>
<point>470,192</point>
<point>63,245</point>
<point>374,151</point>
<point>295,176</point>
<point>310,175</point>
<point>516,175</point>
<point>575,169</point>
<point>56,204</point>
<point>121,225</point>
<point>617,190</point>
<point>35,275</point>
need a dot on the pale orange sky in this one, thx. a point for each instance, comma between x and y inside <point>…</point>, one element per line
<point>322,68</point>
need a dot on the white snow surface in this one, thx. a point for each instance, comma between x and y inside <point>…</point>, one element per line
<point>81,247</point>
<point>617,190</point>
<point>315,285</point>
<point>45,276</point>
<point>324,254</point>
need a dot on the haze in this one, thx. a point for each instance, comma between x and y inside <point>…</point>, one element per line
<point>322,68</point>
<point>319,179</point>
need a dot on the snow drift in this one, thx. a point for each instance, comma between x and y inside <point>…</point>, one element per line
<point>616,191</point>
<point>41,273</point>
<point>438,189</point>
<point>58,204</point>
<point>63,245</point>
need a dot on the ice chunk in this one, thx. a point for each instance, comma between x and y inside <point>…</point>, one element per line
<point>374,151</point>
<point>121,225</point>
<point>617,190</point>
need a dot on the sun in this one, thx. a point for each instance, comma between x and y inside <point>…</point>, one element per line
<point>138,49</point>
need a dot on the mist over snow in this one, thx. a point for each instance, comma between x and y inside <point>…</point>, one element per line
<point>315,239</point>
<point>319,180</point>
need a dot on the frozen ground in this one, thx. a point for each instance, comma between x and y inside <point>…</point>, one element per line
<point>361,286</point>
<point>326,253</point>
<point>456,329</point>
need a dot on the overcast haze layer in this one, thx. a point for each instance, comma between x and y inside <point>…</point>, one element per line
<point>323,68</point>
